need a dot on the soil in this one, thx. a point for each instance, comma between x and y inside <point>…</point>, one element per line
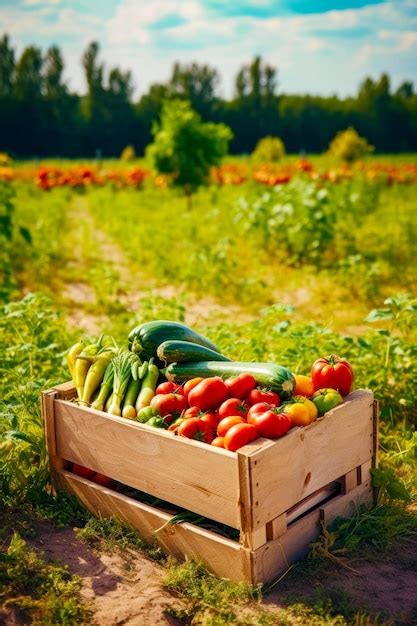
<point>123,587</point>
<point>126,587</point>
<point>385,585</point>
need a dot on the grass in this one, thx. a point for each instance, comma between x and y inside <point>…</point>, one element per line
<point>37,590</point>
<point>156,260</point>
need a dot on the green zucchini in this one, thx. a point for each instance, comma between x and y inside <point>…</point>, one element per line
<point>269,375</point>
<point>146,338</point>
<point>174,351</point>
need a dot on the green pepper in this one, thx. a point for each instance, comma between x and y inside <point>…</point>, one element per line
<point>157,422</point>
<point>326,399</point>
<point>146,413</point>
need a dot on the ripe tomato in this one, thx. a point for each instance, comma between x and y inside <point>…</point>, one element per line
<point>334,373</point>
<point>208,394</point>
<point>303,385</point>
<point>227,422</point>
<point>241,386</point>
<point>82,471</point>
<point>233,406</point>
<point>218,442</point>
<point>190,384</point>
<point>169,403</point>
<point>240,435</point>
<point>259,395</point>
<point>271,424</point>
<point>169,387</point>
<point>259,408</point>
<point>211,419</point>
<point>298,414</point>
<point>195,428</point>
<point>193,411</point>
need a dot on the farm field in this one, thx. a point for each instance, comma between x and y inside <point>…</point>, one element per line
<point>269,268</point>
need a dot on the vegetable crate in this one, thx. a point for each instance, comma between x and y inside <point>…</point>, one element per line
<point>275,493</point>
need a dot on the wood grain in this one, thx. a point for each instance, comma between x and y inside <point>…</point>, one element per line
<point>187,473</point>
<point>222,556</point>
<point>274,558</point>
<point>307,459</point>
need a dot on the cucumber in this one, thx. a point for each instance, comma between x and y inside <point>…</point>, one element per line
<point>146,338</point>
<point>174,351</point>
<point>269,375</point>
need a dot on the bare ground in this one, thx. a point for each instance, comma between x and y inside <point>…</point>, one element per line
<point>123,587</point>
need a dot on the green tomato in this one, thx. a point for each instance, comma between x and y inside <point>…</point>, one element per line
<point>157,422</point>
<point>146,414</point>
<point>326,399</point>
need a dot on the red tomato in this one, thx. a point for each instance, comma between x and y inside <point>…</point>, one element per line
<point>169,387</point>
<point>233,406</point>
<point>259,395</point>
<point>334,373</point>
<point>211,419</point>
<point>190,384</point>
<point>82,471</point>
<point>241,386</point>
<point>208,394</point>
<point>240,435</point>
<point>169,403</point>
<point>259,408</point>
<point>227,422</point>
<point>271,424</point>
<point>101,479</point>
<point>193,411</point>
<point>195,428</point>
<point>218,442</point>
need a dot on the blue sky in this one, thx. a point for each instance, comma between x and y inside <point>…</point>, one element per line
<point>318,46</point>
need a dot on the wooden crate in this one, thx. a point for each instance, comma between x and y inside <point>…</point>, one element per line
<point>275,493</point>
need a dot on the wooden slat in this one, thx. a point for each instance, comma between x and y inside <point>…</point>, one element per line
<point>274,558</point>
<point>300,463</point>
<point>350,481</point>
<point>187,473</point>
<point>376,433</point>
<point>365,470</point>
<point>222,556</point>
<point>48,416</point>
<point>312,501</point>
<point>66,391</point>
<point>276,527</point>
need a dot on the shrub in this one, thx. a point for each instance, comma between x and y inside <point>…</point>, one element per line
<point>348,145</point>
<point>269,149</point>
<point>128,154</point>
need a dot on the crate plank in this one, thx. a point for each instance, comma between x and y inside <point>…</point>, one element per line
<point>275,557</point>
<point>310,457</point>
<point>184,472</point>
<point>222,556</point>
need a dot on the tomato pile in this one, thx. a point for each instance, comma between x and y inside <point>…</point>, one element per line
<point>234,412</point>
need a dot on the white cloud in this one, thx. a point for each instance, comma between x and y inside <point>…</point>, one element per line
<point>307,57</point>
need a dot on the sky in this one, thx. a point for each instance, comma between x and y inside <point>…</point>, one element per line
<point>318,46</point>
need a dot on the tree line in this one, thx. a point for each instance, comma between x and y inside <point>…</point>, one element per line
<point>40,116</point>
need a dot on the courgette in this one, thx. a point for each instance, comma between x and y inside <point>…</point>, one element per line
<point>174,351</point>
<point>269,375</point>
<point>146,338</point>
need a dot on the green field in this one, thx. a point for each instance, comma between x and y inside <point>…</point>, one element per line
<point>285,274</point>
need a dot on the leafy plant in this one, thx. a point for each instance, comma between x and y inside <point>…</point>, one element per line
<point>269,150</point>
<point>185,147</point>
<point>46,593</point>
<point>349,146</point>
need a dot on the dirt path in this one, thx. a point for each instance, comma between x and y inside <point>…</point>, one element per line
<point>123,587</point>
<point>92,253</point>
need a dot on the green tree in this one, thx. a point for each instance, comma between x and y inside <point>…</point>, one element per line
<point>349,146</point>
<point>186,147</point>
<point>269,149</point>
<point>7,67</point>
<point>196,83</point>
